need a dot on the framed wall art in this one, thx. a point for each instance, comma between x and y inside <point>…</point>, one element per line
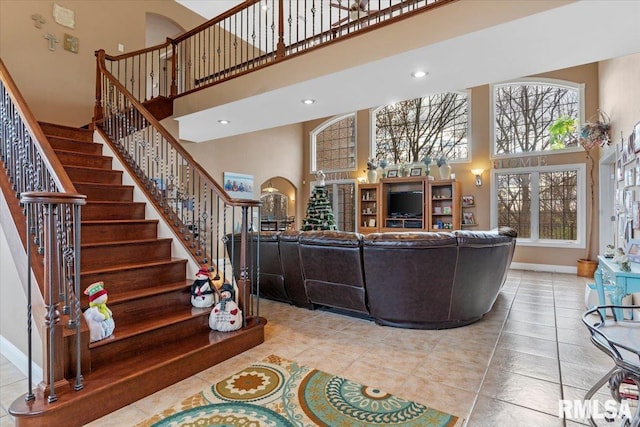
<point>238,185</point>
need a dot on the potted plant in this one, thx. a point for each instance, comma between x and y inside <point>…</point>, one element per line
<point>562,132</point>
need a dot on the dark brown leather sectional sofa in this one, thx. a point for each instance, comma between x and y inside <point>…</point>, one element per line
<point>415,280</point>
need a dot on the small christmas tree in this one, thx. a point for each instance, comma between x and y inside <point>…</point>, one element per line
<point>319,213</point>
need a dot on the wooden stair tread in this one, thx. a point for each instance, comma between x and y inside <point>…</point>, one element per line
<point>146,292</point>
<point>80,154</point>
<point>164,319</point>
<point>119,221</point>
<point>133,266</point>
<point>99,184</point>
<point>72,139</point>
<point>92,169</point>
<point>114,202</point>
<point>124,242</point>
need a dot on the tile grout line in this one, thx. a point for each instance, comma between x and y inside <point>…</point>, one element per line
<point>493,352</point>
<point>555,322</point>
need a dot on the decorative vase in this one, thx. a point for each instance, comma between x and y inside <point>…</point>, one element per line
<point>445,171</point>
<point>372,176</point>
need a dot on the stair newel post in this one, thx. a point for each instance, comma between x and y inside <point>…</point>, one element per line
<point>29,396</point>
<point>174,67</point>
<point>280,51</point>
<point>97,109</point>
<point>51,207</point>
<point>245,282</point>
<point>53,369</point>
<point>76,300</point>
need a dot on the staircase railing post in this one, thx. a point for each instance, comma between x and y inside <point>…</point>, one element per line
<point>245,282</point>
<point>97,108</point>
<point>280,49</point>
<point>174,70</point>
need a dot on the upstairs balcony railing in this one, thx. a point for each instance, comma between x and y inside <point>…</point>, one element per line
<point>252,35</point>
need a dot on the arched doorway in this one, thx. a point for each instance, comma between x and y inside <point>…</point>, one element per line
<point>278,205</point>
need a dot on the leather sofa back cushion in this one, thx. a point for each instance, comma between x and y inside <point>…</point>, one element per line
<point>410,277</point>
<point>332,268</point>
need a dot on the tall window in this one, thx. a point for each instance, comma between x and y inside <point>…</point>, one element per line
<point>334,145</point>
<point>523,112</point>
<point>408,131</point>
<point>542,204</point>
<point>333,149</point>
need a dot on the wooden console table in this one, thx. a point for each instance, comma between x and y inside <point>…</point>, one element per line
<point>610,277</point>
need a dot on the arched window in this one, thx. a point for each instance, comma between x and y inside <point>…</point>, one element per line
<point>333,145</point>
<point>545,204</point>
<point>522,112</point>
<point>407,131</point>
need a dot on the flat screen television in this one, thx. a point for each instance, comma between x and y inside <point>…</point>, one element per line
<point>404,204</point>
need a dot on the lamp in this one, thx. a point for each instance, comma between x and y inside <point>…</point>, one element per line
<point>478,174</point>
<point>269,188</point>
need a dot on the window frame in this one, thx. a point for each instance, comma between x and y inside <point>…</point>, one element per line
<point>322,126</point>
<point>372,126</point>
<point>530,81</point>
<point>534,240</point>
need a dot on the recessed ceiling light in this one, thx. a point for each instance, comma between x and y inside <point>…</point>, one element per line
<point>308,101</point>
<point>224,122</point>
<point>418,74</point>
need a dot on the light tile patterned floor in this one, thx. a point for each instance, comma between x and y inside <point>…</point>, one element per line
<point>509,369</point>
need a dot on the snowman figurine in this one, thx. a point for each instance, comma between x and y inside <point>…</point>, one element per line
<point>226,316</point>
<point>98,316</point>
<point>202,289</point>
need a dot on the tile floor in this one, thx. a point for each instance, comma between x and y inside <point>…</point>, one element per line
<point>509,369</point>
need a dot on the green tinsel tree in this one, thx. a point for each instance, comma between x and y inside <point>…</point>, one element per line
<point>319,213</point>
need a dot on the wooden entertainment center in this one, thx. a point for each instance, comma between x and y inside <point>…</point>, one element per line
<point>409,204</point>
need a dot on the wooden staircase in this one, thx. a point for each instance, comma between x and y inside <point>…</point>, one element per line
<point>159,338</point>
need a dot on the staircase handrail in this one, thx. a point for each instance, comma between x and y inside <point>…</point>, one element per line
<point>100,54</point>
<point>50,207</point>
<point>48,157</point>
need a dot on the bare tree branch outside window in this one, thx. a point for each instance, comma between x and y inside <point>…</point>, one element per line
<point>408,131</point>
<point>524,112</point>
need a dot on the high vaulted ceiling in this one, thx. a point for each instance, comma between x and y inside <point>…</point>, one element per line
<point>572,34</point>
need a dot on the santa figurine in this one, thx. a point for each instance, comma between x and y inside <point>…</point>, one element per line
<point>226,316</point>
<point>203,289</point>
<point>98,316</point>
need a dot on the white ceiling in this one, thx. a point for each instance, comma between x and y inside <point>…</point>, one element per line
<point>578,33</point>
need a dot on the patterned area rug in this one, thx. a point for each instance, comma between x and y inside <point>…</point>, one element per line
<point>277,392</point>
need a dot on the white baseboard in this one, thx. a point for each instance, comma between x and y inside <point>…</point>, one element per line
<point>544,267</point>
<point>20,360</point>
